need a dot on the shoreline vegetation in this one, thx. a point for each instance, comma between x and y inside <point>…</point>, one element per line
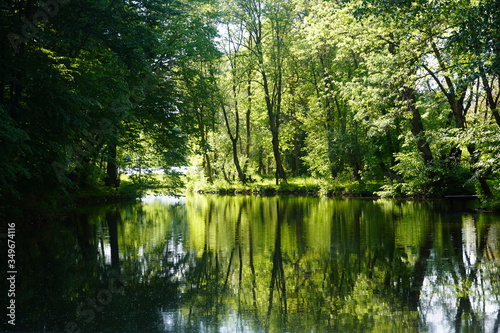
<point>295,186</point>
<point>300,186</point>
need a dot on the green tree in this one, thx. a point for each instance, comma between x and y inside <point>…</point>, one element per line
<point>79,81</point>
<point>268,25</point>
<point>232,43</point>
<point>335,137</point>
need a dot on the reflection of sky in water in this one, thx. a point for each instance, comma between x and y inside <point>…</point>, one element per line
<point>438,300</point>
<point>104,248</point>
<point>175,322</point>
<point>438,305</point>
<point>168,200</point>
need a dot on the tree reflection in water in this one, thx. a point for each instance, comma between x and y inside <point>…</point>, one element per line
<point>280,264</point>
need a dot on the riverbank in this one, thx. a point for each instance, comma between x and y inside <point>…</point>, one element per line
<point>318,187</point>
<point>42,211</point>
<point>298,186</point>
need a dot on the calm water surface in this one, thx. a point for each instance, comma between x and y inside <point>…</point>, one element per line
<point>260,264</point>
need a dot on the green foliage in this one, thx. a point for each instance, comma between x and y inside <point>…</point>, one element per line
<point>372,92</point>
<point>92,81</point>
<point>14,145</point>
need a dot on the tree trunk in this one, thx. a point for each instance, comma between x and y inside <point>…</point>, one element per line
<point>274,127</point>
<point>490,99</point>
<point>247,115</point>
<point>261,161</point>
<point>234,142</point>
<point>111,168</point>
<point>207,167</point>
<point>417,127</point>
<point>241,174</point>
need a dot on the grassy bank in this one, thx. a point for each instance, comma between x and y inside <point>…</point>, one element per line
<point>300,186</point>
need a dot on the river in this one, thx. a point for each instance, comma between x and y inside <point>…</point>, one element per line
<point>207,263</point>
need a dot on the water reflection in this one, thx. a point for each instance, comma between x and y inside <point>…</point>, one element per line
<point>255,264</point>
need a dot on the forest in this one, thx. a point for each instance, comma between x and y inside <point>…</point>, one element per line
<point>398,97</point>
